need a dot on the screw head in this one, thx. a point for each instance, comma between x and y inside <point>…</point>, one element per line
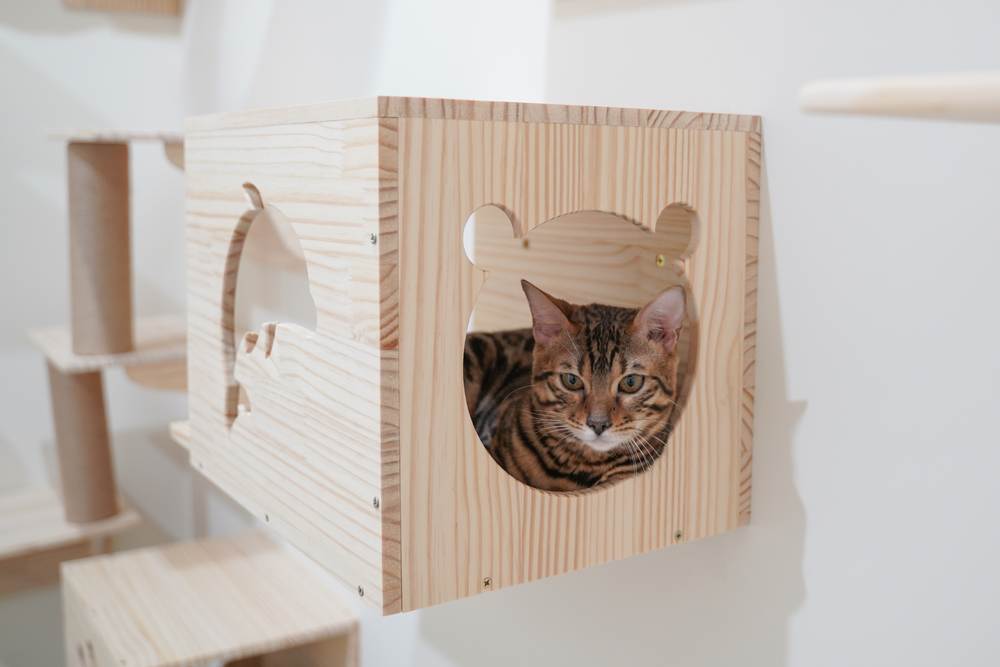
<point>267,518</point>
<point>361,591</point>
<point>373,238</point>
<point>678,535</point>
<point>661,260</point>
<point>375,502</point>
<point>487,582</point>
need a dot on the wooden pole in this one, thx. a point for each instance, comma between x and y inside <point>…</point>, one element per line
<point>83,445</point>
<point>100,261</point>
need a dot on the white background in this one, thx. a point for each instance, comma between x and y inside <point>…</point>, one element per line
<point>874,538</point>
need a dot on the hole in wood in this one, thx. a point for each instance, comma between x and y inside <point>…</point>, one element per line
<point>268,278</point>
<point>575,378</point>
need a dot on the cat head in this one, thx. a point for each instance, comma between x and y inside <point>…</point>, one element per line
<point>604,375</point>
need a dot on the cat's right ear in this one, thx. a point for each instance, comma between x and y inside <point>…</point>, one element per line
<point>549,315</point>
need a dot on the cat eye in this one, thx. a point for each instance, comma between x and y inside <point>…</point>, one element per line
<point>631,383</point>
<point>571,381</point>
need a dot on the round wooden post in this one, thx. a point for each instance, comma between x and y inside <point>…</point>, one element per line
<point>100,262</point>
<point>83,445</point>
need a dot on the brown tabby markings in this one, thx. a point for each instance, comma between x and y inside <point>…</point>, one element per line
<point>557,437</point>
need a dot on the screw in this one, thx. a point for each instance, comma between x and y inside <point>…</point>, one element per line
<point>487,582</point>
<point>361,591</point>
<point>373,238</point>
<point>678,535</point>
<point>267,518</point>
<point>525,243</point>
<point>661,260</point>
<point>375,502</point>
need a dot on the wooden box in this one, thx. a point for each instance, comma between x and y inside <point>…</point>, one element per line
<point>357,445</point>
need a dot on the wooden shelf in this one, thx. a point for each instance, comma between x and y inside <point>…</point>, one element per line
<point>196,602</point>
<point>180,432</point>
<point>35,536</point>
<point>158,340</point>
<point>168,7</point>
<point>971,97</point>
<point>116,136</point>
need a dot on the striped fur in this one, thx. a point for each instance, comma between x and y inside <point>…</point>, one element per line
<point>549,435</point>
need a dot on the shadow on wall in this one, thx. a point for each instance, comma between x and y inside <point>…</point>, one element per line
<point>723,600</point>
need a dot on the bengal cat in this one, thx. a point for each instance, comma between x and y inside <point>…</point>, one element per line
<point>584,397</point>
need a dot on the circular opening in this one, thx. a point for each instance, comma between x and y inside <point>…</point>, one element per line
<point>578,356</point>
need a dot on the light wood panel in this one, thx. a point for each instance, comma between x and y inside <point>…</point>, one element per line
<point>197,602</point>
<point>158,340</point>
<point>307,456</point>
<point>171,7</point>
<point>463,519</point>
<point>973,96</point>
<point>35,537</point>
<point>83,445</point>
<point>357,446</point>
<point>449,109</point>
<point>180,433</point>
<point>100,251</point>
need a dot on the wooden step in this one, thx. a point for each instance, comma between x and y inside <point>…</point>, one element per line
<point>158,360</point>
<point>192,603</point>
<point>35,537</point>
<point>180,433</point>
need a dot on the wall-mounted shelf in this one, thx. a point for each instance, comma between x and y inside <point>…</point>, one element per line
<point>170,7</point>
<point>180,433</point>
<point>971,97</point>
<point>158,340</point>
<point>35,536</point>
<point>197,602</point>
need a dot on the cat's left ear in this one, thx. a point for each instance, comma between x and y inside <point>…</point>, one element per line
<point>660,320</point>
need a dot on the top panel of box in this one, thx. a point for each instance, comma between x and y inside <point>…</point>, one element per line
<point>523,112</point>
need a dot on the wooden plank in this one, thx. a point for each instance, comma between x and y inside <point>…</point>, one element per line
<point>111,136</point>
<point>972,97</point>
<point>463,519</point>
<point>32,521</point>
<point>170,7</point>
<point>180,433</point>
<point>196,602</point>
<point>448,109</point>
<point>307,457</point>
<point>158,339</point>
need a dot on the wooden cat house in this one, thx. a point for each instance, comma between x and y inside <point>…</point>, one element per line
<point>354,441</point>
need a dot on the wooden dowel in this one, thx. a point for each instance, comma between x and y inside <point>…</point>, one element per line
<point>83,445</point>
<point>963,97</point>
<point>100,259</point>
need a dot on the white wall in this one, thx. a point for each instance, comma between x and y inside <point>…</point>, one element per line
<point>873,539</point>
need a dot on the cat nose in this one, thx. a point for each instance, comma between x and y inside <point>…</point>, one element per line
<point>600,424</point>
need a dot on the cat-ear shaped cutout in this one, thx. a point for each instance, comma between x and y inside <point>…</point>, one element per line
<point>549,315</point>
<point>661,319</point>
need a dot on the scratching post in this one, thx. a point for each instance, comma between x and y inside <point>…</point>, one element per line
<point>83,445</point>
<point>100,264</point>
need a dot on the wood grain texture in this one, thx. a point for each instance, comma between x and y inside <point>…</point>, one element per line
<point>357,445</point>
<point>35,537</point>
<point>463,518</point>
<point>170,7</point>
<point>971,97</point>
<point>308,455</point>
<point>158,340</point>
<point>197,602</point>
<point>448,109</point>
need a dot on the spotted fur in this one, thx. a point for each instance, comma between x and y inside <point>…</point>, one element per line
<point>557,437</point>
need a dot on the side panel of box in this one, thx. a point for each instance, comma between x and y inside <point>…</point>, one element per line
<point>467,526</point>
<point>306,456</point>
